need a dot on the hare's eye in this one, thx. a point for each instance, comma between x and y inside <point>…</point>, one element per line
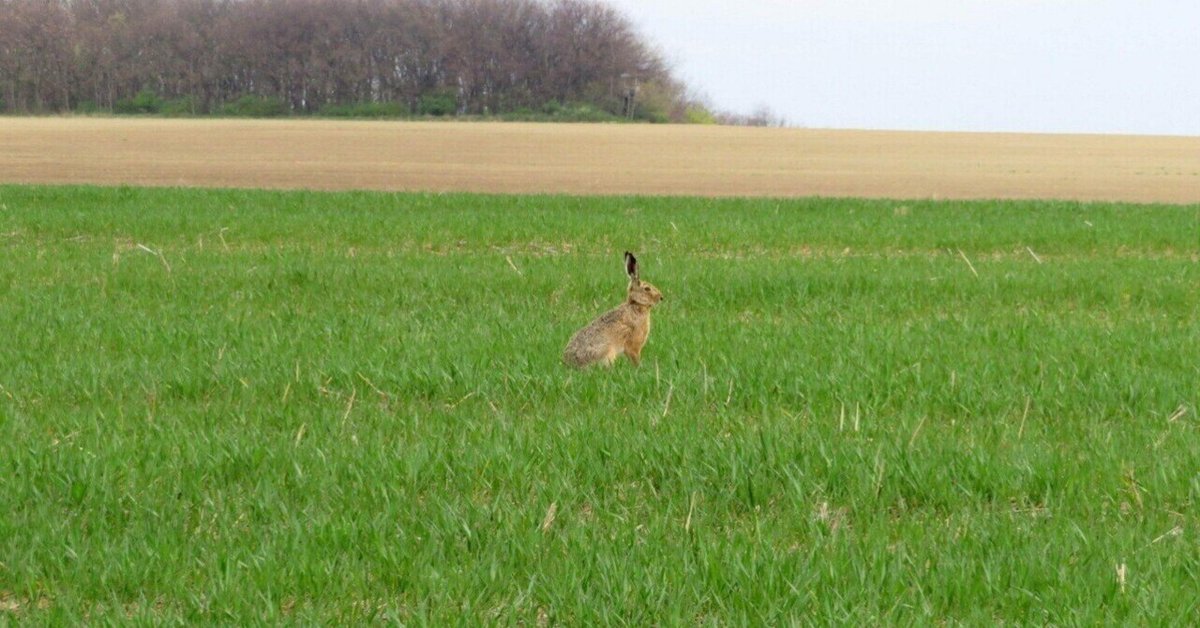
<point>647,288</point>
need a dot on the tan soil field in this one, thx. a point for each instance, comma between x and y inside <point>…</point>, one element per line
<point>596,159</point>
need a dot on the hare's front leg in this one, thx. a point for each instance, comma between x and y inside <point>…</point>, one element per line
<point>635,355</point>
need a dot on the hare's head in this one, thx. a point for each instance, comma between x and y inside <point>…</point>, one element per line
<point>640,292</point>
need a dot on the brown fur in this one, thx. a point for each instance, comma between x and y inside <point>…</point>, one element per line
<point>623,329</point>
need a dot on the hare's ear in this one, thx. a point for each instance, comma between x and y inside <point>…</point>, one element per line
<point>631,266</point>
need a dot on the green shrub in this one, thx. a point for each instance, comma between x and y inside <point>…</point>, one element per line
<point>146,101</point>
<point>585,112</point>
<point>579,112</point>
<point>250,106</point>
<point>439,103</point>
<point>366,110</point>
<point>185,106</point>
<point>698,114</point>
<point>554,111</point>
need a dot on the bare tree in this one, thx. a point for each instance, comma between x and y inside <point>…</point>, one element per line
<point>489,56</point>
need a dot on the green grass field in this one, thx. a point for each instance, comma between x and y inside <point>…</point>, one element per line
<point>235,406</point>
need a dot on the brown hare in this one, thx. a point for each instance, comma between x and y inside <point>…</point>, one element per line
<point>623,329</point>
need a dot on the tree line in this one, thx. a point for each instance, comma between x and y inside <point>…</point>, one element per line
<point>335,57</point>
<point>305,56</point>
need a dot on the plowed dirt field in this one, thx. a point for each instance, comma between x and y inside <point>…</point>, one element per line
<point>597,159</point>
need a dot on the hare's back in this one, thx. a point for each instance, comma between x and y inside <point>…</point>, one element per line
<point>601,340</point>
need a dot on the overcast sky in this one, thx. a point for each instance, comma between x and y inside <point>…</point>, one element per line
<point>1098,66</point>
